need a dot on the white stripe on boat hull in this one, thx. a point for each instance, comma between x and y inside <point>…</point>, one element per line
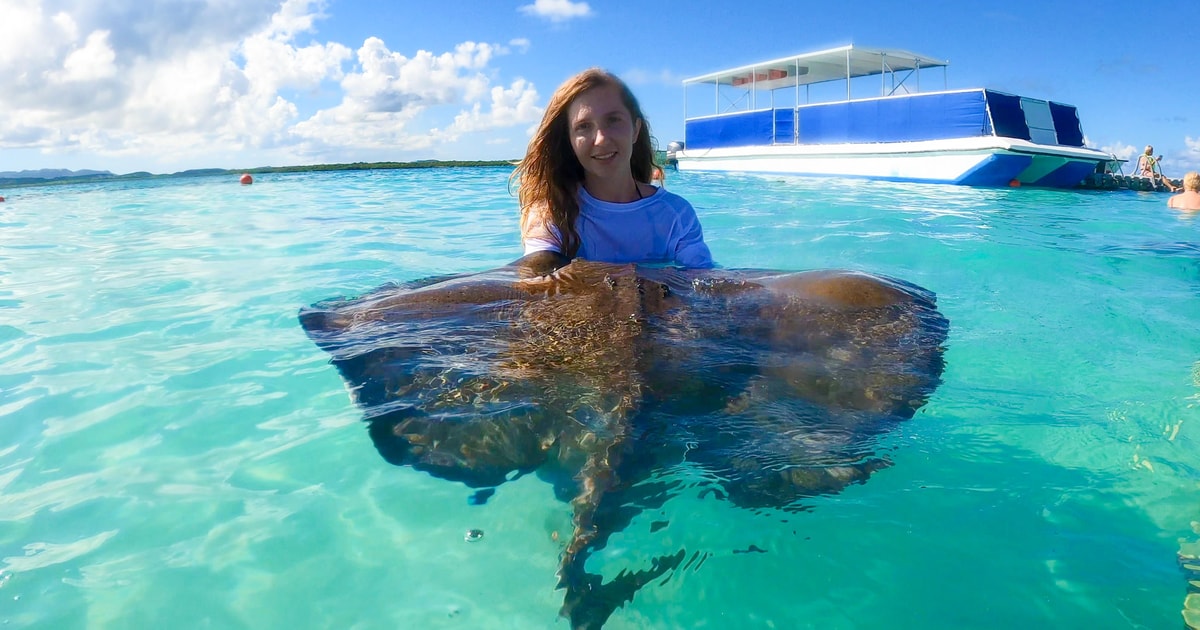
<point>945,161</point>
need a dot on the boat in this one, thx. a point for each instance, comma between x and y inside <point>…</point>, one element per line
<point>794,115</point>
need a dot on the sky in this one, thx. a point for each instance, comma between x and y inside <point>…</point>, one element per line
<point>169,85</point>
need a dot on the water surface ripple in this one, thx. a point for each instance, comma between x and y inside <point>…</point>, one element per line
<point>174,452</point>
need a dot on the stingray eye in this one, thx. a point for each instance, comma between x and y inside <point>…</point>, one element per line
<point>641,287</point>
<point>666,290</point>
<point>612,284</point>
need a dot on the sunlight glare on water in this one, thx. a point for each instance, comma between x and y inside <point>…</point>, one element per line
<point>175,452</point>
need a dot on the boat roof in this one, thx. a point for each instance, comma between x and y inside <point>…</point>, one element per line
<point>835,64</point>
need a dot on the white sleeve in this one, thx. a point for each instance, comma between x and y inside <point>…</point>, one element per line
<point>541,245</point>
<point>547,239</point>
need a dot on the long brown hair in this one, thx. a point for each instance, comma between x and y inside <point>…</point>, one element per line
<point>550,175</point>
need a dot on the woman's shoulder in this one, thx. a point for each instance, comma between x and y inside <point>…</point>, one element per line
<point>539,209</point>
<point>665,196</point>
<point>536,216</point>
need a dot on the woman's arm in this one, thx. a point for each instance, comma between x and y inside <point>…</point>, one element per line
<point>537,233</point>
<point>691,250</point>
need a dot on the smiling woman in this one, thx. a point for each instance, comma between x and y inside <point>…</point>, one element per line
<point>585,182</point>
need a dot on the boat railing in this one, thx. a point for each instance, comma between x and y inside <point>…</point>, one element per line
<point>828,73</point>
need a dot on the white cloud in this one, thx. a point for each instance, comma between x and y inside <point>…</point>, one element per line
<point>121,78</point>
<point>510,107</point>
<point>1120,150</point>
<point>65,23</point>
<point>93,61</point>
<point>1189,159</point>
<point>557,10</point>
<point>272,62</point>
<point>389,81</point>
<point>295,17</point>
<point>388,91</point>
<point>1175,162</point>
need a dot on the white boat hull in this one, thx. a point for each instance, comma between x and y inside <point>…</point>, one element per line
<point>986,161</point>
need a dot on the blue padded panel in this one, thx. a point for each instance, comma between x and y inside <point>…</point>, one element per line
<point>899,119</point>
<point>1008,119</point>
<point>1066,124</point>
<point>732,130</point>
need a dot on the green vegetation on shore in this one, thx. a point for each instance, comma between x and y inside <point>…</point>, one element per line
<point>18,182</point>
<point>370,166</point>
<point>207,172</point>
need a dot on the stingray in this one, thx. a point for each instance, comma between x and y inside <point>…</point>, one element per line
<point>596,376</point>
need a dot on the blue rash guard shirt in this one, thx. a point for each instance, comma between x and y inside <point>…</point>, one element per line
<point>661,227</point>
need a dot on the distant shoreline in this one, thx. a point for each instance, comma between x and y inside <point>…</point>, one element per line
<point>21,182</point>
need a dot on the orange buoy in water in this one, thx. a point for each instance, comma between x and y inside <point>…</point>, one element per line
<point>1,198</point>
<point>1014,183</point>
<point>246,179</point>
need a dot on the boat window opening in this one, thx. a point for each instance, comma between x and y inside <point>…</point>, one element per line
<point>734,104</point>
<point>900,86</point>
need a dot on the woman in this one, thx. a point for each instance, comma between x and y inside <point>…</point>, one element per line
<point>1189,199</point>
<point>1146,163</point>
<point>585,182</point>
<point>1148,166</point>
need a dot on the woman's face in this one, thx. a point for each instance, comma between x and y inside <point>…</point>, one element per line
<point>602,133</point>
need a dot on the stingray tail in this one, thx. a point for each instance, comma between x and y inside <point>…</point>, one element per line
<point>596,478</point>
<point>590,605</point>
<point>588,601</point>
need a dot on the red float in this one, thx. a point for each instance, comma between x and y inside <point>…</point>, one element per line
<point>246,179</point>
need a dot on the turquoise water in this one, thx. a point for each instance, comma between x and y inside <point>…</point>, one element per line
<point>174,452</point>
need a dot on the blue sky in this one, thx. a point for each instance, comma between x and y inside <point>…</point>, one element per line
<point>163,86</point>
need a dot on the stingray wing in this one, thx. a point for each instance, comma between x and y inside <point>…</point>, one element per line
<point>425,363</point>
<point>474,376</point>
<point>780,382</point>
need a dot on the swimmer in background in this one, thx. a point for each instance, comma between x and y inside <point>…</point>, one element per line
<point>584,184</point>
<point>1189,199</point>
